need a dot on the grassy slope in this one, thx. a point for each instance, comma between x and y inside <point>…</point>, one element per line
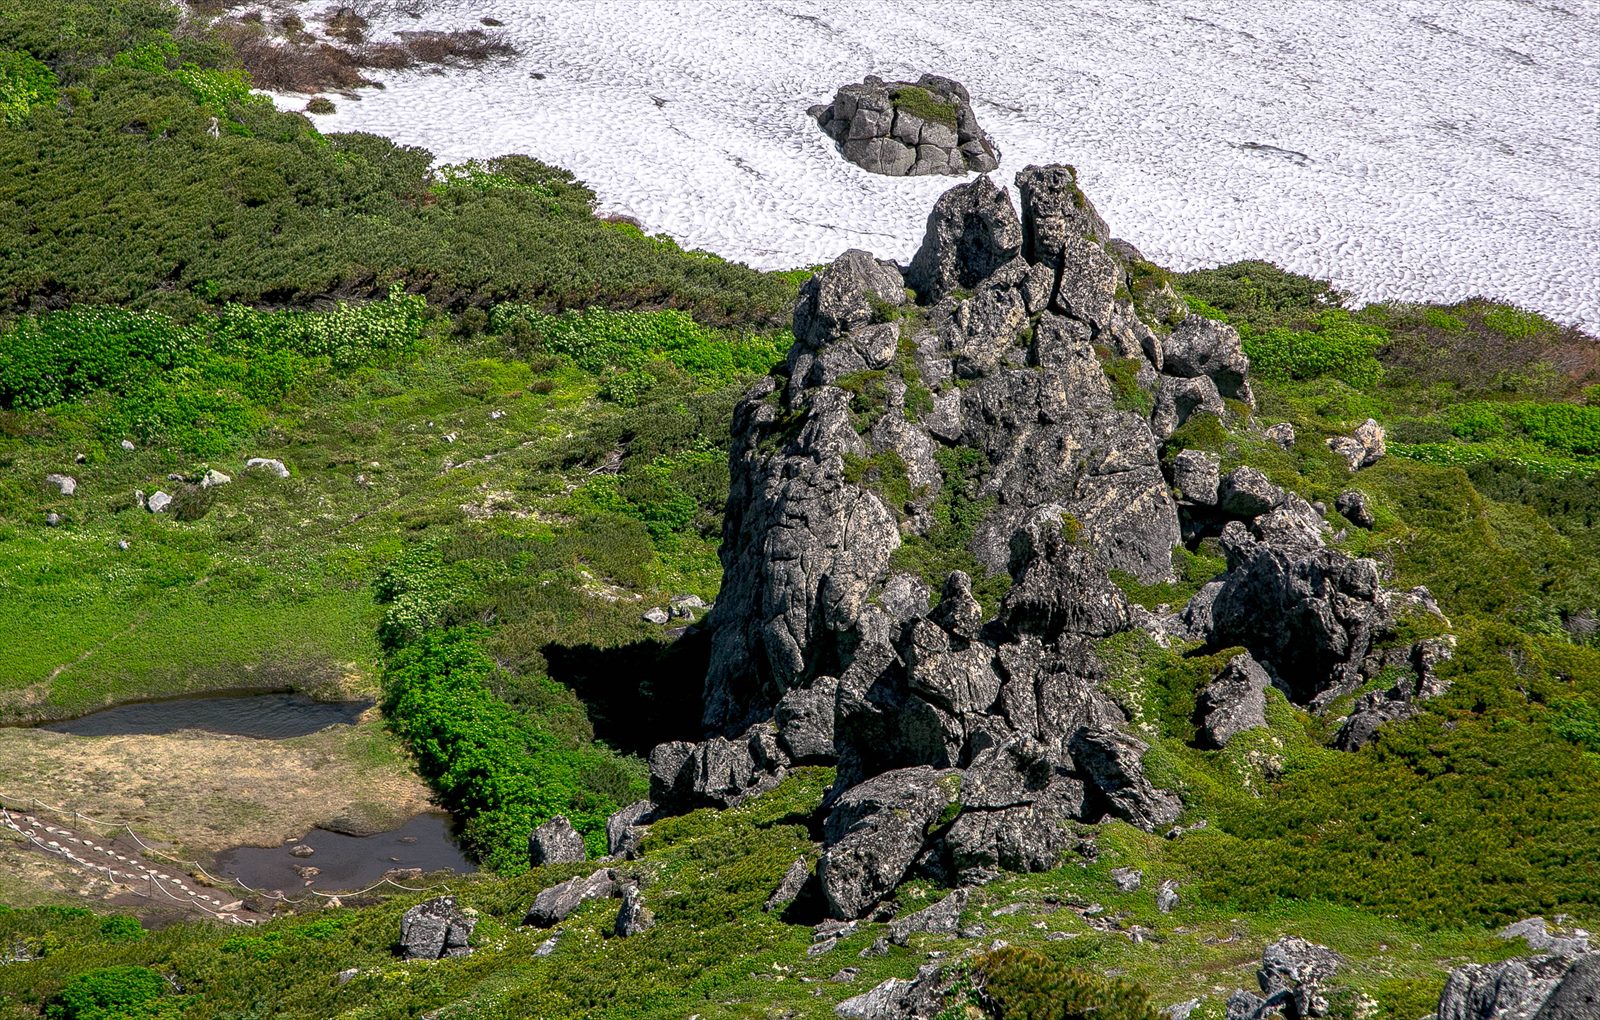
<point>1401,856</point>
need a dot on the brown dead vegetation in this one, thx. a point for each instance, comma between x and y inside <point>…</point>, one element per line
<point>282,54</point>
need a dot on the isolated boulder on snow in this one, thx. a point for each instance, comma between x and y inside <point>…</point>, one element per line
<point>904,128</point>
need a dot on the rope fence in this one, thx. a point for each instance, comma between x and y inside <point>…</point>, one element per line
<point>111,830</point>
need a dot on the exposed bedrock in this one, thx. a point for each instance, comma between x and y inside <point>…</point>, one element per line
<point>904,128</point>
<point>926,507</point>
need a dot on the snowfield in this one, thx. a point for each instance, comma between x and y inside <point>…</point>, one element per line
<point>1405,149</point>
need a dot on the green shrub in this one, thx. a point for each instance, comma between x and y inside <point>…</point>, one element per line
<point>113,993</point>
<point>1022,984</point>
<point>919,102</point>
<point>1336,347</point>
<point>24,84</point>
<point>500,770</point>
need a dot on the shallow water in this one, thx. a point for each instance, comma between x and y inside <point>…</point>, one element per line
<point>346,863</point>
<point>267,716</point>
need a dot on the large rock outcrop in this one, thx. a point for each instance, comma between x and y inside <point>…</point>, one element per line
<point>926,507</point>
<point>904,128</point>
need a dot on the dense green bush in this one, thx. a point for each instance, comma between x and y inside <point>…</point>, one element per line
<point>114,993</point>
<point>124,197</point>
<point>1336,347</point>
<point>496,767</point>
<point>24,84</point>
<point>600,341</point>
<point>1023,984</point>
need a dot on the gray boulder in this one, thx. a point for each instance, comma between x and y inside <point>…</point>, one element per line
<point>873,834</point>
<point>1548,987</point>
<point>555,842</point>
<point>805,721</point>
<point>1296,973</point>
<point>1233,702</point>
<point>1167,896</point>
<point>794,880</point>
<point>1282,434</point>
<point>436,929</point>
<point>1355,506</point>
<point>898,999</point>
<point>1178,400</point>
<point>633,916</point>
<point>267,465</point>
<point>1246,493</point>
<point>1201,347</point>
<point>1110,759</point>
<point>1127,879</point>
<point>1362,448</point>
<point>907,128</point>
<point>158,502</point>
<point>1196,476</point>
<point>65,485</point>
<point>625,828</point>
<point>1310,616</point>
<point>972,231</point>
<point>556,904</point>
<point>942,918</point>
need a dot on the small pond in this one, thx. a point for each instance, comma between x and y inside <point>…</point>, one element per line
<point>267,716</point>
<point>345,863</point>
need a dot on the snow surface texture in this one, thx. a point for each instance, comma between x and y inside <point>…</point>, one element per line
<point>1404,149</point>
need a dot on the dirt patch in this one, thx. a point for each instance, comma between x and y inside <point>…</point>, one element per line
<point>203,792</point>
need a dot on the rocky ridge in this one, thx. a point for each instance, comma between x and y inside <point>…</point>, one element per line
<point>927,507</point>
<point>906,129</point>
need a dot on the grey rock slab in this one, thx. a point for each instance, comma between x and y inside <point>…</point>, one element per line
<point>633,916</point>
<point>1356,507</point>
<point>435,929</point>
<point>874,833</point>
<point>1233,702</point>
<point>556,904</point>
<point>555,842</point>
<point>941,918</point>
<point>625,826</point>
<point>1363,447</point>
<point>1196,475</point>
<point>1246,492</point>
<point>794,880</point>
<point>1111,761</point>
<point>1167,896</point>
<point>267,465</point>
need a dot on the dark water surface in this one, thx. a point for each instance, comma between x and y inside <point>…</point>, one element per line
<point>345,863</point>
<point>268,716</point>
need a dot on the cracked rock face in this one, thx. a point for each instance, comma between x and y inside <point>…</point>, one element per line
<point>903,128</point>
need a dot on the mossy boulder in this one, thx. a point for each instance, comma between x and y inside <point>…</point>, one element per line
<point>906,129</point>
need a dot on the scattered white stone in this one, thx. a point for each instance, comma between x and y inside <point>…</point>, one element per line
<point>158,502</point>
<point>127,445</point>
<point>496,415</point>
<point>657,615</point>
<point>267,464</point>
<point>52,520</point>
<point>449,437</point>
<point>213,478</point>
<point>64,484</point>
<point>122,544</point>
